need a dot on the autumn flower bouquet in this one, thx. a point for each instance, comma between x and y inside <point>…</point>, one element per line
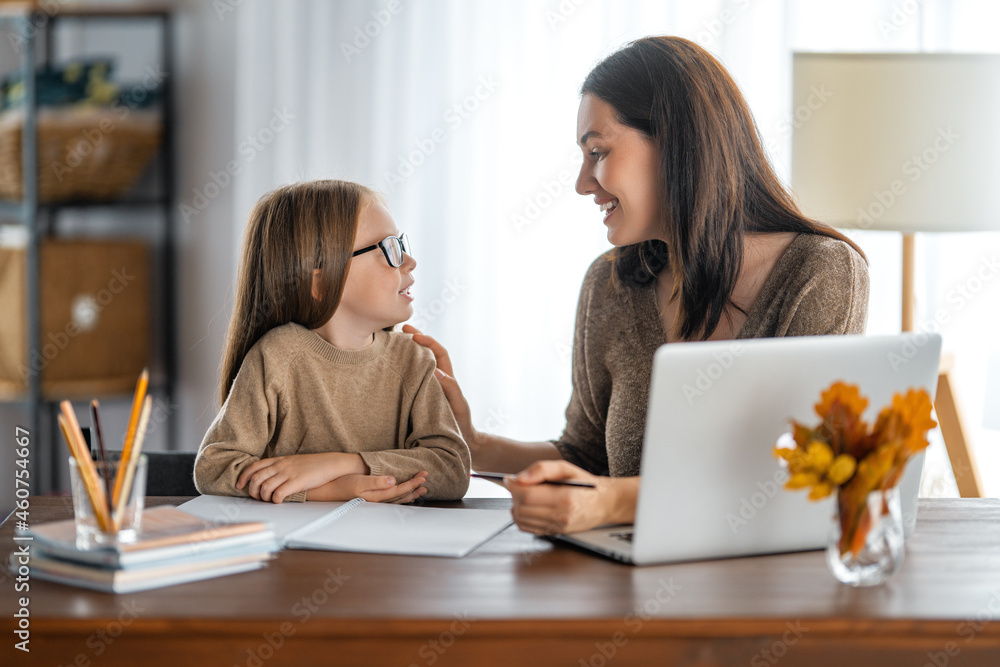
<point>844,454</point>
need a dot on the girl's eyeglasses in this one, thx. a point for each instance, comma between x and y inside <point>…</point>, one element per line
<point>392,247</point>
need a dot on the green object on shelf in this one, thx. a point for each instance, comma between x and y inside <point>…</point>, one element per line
<point>79,81</point>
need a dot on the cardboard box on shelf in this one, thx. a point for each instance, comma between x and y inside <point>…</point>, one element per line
<point>95,318</point>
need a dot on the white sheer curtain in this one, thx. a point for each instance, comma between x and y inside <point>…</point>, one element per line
<point>464,114</point>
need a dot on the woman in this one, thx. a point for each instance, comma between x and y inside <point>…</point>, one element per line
<point>708,246</point>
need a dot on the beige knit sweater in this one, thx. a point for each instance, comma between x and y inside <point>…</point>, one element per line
<point>297,394</point>
<point>819,286</point>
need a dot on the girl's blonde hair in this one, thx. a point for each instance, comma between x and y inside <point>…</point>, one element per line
<point>292,231</point>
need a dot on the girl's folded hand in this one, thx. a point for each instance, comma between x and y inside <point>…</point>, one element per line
<point>274,479</point>
<point>373,488</point>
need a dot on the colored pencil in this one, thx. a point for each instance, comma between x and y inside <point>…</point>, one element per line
<point>133,424</point>
<point>129,465</point>
<point>85,465</point>
<point>86,468</point>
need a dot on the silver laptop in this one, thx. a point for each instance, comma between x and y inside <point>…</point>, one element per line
<point>711,487</point>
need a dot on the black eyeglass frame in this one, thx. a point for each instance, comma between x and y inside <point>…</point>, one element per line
<point>404,246</point>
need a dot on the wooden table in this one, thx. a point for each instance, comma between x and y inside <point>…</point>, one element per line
<point>520,600</point>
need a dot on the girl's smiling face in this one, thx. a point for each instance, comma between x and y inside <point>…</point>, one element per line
<point>621,169</point>
<point>376,295</point>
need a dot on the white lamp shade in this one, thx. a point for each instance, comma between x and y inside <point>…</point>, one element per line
<point>905,142</point>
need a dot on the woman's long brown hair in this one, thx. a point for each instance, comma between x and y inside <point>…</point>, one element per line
<point>292,231</point>
<point>716,182</point>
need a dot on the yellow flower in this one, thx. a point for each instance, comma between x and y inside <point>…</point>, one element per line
<point>820,491</point>
<point>802,480</point>
<point>811,466</point>
<point>819,456</point>
<point>842,469</point>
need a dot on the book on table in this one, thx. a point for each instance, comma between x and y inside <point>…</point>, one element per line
<point>174,547</point>
<point>361,526</point>
<point>153,575</point>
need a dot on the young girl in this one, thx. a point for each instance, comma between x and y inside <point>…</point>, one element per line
<point>321,400</point>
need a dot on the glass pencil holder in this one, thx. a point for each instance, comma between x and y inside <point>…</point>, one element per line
<point>113,523</point>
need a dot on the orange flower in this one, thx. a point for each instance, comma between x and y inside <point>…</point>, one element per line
<point>840,407</point>
<point>847,395</point>
<point>841,455</point>
<point>904,425</point>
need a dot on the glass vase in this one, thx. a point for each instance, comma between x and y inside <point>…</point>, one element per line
<point>873,548</point>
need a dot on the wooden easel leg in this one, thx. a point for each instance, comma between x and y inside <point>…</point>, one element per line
<point>963,461</point>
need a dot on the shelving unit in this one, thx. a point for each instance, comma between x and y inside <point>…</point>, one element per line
<point>36,31</point>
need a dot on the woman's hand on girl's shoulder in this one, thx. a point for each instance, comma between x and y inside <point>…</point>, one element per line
<point>445,375</point>
<point>547,509</point>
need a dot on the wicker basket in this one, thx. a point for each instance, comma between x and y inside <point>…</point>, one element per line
<point>83,153</point>
<point>94,306</point>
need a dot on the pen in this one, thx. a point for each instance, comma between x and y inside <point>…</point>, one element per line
<point>498,477</point>
<point>97,436</point>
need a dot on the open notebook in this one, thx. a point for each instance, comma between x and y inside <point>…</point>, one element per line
<point>360,526</point>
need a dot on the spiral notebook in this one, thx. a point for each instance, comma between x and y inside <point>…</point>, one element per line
<point>361,526</point>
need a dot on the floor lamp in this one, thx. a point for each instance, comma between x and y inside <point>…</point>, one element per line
<point>907,143</point>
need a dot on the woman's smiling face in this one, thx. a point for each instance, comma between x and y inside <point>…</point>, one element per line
<point>621,169</point>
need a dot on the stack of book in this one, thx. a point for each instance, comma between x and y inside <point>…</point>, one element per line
<point>173,548</point>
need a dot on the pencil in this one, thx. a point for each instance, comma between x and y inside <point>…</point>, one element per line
<point>130,464</point>
<point>133,423</point>
<point>498,477</point>
<point>97,435</point>
<point>88,472</point>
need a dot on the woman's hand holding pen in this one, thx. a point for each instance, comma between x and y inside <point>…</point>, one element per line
<point>547,509</point>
